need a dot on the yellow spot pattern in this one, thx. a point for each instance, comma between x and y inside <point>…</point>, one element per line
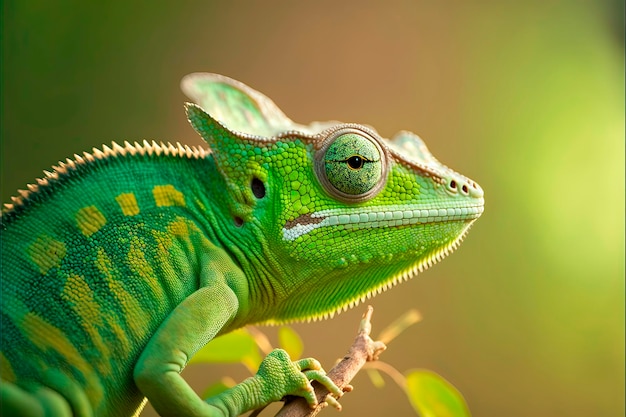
<point>128,204</point>
<point>6,370</point>
<point>164,250</point>
<point>180,229</point>
<point>123,347</point>
<point>167,195</point>
<point>46,253</point>
<point>80,296</point>
<point>176,242</point>
<point>34,326</point>
<point>90,220</point>
<point>140,266</point>
<point>136,316</point>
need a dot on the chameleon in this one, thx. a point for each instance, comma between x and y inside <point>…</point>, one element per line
<point>121,263</point>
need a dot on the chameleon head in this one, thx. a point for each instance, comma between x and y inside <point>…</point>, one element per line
<point>343,215</point>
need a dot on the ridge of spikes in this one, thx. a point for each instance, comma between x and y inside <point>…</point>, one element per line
<point>115,150</point>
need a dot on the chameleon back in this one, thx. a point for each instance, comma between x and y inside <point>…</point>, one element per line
<point>93,259</point>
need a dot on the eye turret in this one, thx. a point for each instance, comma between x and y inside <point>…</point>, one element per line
<point>351,165</point>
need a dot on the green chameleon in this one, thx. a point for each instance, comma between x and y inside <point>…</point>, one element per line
<point>121,263</point>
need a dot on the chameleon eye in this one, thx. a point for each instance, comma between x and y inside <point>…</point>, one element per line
<point>351,165</point>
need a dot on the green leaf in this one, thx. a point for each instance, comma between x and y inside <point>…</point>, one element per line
<point>237,346</point>
<point>218,387</point>
<point>289,340</point>
<point>432,396</point>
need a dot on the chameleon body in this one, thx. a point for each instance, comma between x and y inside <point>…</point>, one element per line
<point>121,263</point>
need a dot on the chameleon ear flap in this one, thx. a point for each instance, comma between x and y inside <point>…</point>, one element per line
<point>235,105</point>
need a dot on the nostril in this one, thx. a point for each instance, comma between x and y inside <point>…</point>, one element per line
<point>453,184</point>
<point>464,189</point>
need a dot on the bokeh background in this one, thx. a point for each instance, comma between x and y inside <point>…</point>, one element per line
<point>526,98</point>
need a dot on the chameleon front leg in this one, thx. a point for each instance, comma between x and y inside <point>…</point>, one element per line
<point>191,325</point>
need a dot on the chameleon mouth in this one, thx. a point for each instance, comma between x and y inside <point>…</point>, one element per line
<point>382,216</point>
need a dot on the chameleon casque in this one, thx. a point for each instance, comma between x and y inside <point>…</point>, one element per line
<point>121,263</point>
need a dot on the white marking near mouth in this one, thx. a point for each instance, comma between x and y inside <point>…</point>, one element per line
<point>380,216</point>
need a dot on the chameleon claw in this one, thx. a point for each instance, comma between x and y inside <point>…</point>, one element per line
<point>322,378</point>
<point>332,401</point>
<point>309,395</point>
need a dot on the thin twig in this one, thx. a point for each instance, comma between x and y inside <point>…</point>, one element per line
<point>392,372</point>
<point>399,325</point>
<point>260,339</point>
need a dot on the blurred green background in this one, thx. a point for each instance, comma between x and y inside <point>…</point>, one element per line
<point>526,98</point>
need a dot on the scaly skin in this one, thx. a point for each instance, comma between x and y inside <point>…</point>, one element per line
<point>122,263</point>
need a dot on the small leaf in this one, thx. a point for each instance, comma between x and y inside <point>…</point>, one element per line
<point>291,342</point>
<point>375,377</point>
<point>432,396</point>
<point>237,346</point>
<point>218,387</point>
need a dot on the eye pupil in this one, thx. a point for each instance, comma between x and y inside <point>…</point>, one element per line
<point>355,162</point>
